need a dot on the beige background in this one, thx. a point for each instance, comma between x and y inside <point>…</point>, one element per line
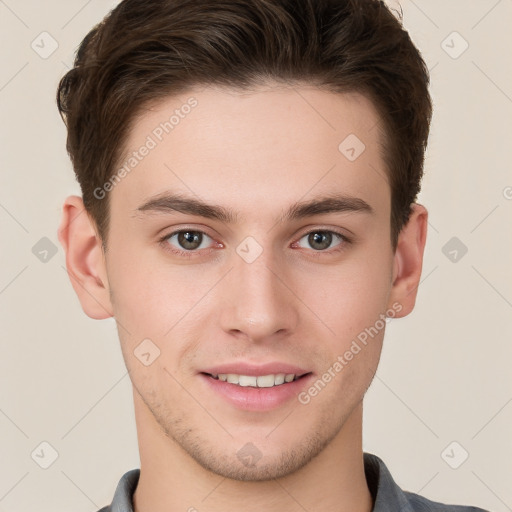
<point>445,371</point>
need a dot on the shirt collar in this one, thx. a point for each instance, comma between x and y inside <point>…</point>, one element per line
<point>387,496</point>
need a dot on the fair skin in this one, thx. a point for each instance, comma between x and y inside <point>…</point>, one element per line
<point>301,302</point>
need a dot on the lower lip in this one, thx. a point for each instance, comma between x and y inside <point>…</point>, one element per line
<point>257,399</point>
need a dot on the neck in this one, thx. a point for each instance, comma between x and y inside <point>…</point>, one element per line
<point>170,479</point>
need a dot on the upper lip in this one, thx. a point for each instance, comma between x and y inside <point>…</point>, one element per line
<point>272,368</point>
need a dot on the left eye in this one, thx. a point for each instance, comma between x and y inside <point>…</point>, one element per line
<point>320,240</point>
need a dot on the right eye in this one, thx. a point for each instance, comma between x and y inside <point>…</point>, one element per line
<point>185,242</point>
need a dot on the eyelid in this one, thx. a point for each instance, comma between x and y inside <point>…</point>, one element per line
<point>338,231</point>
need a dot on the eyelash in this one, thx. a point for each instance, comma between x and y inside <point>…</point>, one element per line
<point>193,253</point>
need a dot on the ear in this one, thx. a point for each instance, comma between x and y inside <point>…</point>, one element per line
<point>85,260</point>
<point>408,260</point>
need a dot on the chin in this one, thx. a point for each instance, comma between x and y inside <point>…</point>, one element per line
<point>252,460</point>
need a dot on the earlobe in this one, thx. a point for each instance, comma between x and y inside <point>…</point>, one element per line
<point>85,262</point>
<point>408,260</point>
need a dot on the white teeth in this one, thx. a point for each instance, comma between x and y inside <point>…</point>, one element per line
<point>279,379</point>
<point>266,381</point>
<point>262,381</point>
<point>247,380</point>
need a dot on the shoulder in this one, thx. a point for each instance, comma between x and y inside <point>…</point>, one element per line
<point>389,497</point>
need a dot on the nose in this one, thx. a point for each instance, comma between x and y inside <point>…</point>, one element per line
<point>258,302</point>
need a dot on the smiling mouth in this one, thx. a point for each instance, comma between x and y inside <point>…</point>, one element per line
<point>260,381</point>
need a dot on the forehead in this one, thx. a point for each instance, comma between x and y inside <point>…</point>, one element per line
<point>266,147</point>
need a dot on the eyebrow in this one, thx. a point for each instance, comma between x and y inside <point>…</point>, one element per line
<point>333,203</point>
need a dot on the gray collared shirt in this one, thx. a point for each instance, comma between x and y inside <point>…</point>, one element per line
<point>387,496</point>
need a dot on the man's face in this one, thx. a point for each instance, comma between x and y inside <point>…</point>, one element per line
<point>262,289</point>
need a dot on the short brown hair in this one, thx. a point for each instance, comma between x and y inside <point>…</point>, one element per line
<point>145,50</point>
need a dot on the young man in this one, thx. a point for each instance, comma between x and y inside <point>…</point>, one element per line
<point>249,170</point>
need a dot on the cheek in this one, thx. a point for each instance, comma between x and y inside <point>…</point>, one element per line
<point>156,302</point>
<point>355,312</point>
<point>350,298</point>
<point>140,298</point>
<point>147,295</point>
